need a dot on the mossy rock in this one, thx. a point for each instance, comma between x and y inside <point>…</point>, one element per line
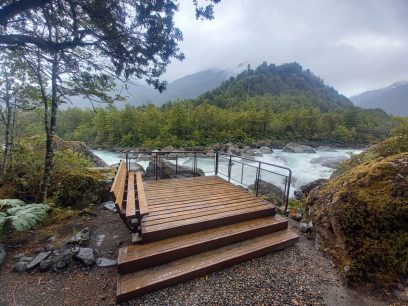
<point>362,216</point>
<point>389,147</point>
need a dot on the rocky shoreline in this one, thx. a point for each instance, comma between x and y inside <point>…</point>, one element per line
<point>241,149</point>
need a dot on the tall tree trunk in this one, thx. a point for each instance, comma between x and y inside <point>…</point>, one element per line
<point>8,120</point>
<point>8,138</point>
<point>50,121</point>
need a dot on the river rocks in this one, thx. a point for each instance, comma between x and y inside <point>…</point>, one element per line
<point>297,148</point>
<point>248,152</point>
<point>20,267</point>
<point>304,190</point>
<point>2,254</point>
<point>86,255</point>
<point>19,256</point>
<point>100,240</point>
<point>269,190</point>
<point>265,150</point>
<point>168,149</point>
<point>46,265</point>
<point>330,162</point>
<point>305,227</point>
<point>37,260</point>
<point>168,170</point>
<point>326,149</point>
<point>81,238</point>
<point>105,262</point>
<point>109,206</point>
<point>295,215</point>
<point>26,259</point>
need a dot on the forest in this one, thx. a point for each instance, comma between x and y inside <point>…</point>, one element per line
<point>280,103</point>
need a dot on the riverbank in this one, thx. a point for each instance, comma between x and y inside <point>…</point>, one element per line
<point>306,167</point>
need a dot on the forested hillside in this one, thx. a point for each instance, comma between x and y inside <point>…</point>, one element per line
<point>283,103</point>
<point>271,102</point>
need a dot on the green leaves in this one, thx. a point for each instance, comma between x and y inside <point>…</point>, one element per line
<point>25,217</point>
<point>22,216</point>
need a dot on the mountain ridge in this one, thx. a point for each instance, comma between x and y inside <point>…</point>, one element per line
<point>392,99</point>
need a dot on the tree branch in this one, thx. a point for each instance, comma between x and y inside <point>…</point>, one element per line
<point>17,7</point>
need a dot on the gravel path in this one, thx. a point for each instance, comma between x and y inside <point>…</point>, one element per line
<point>298,275</point>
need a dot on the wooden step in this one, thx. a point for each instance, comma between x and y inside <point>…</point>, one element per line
<point>141,256</point>
<point>193,223</point>
<point>141,282</point>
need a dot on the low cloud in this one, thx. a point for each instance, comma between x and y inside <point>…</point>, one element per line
<point>353,45</point>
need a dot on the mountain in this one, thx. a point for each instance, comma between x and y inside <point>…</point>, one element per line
<point>392,99</point>
<point>187,87</point>
<point>301,87</point>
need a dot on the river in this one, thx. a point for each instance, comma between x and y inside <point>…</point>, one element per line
<point>306,167</point>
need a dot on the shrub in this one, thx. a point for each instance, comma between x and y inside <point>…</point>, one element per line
<point>72,184</point>
<point>19,215</point>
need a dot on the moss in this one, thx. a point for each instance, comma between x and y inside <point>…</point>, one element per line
<point>363,218</point>
<point>389,147</point>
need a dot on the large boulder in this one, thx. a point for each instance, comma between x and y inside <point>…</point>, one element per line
<point>79,147</point>
<point>265,150</point>
<point>304,190</point>
<point>297,148</point>
<point>362,216</point>
<point>330,162</point>
<point>271,192</point>
<point>167,170</point>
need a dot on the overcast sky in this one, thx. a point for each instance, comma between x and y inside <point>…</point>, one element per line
<point>354,45</point>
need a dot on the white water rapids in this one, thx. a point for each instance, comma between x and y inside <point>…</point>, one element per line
<point>303,169</point>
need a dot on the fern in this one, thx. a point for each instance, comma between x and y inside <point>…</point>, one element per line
<point>11,202</point>
<point>22,216</point>
<point>25,217</point>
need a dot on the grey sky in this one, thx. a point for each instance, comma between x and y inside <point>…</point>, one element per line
<point>354,45</point>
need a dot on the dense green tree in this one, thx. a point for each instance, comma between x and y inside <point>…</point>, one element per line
<point>79,45</point>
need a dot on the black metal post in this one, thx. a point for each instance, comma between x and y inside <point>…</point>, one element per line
<point>216,163</point>
<point>194,164</point>
<point>287,192</point>
<point>242,172</point>
<point>229,168</point>
<point>176,163</point>
<point>258,178</point>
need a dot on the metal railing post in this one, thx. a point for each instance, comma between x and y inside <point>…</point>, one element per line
<point>258,178</point>
<point>176,164</point>
<point>156,165</point>
<point>287,192</point>
<point>216,163</point>
<point>194,164</point>
<point>229,168</point>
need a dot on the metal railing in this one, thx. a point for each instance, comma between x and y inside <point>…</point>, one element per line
<point>243,171</point>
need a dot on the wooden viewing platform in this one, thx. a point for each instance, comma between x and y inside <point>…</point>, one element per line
<point>190,227</point>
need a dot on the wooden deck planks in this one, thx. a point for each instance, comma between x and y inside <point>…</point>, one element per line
<point>143,207</point>
<point>131,202</point>
<point>194,204</point>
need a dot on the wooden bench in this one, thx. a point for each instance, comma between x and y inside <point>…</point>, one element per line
<point>126,196</point>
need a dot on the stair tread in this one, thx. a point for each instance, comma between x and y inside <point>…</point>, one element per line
<point>141,282</point>
<point>136,252</point>
<point>185,221</point>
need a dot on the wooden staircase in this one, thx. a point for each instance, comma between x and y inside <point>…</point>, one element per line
<point>189,228</point>
<point>147,267</point>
